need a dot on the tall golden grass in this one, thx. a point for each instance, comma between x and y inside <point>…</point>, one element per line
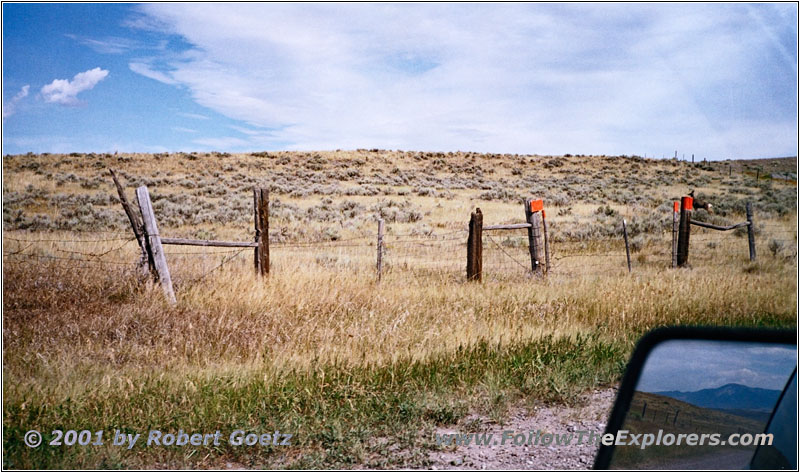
<point>70,322</point>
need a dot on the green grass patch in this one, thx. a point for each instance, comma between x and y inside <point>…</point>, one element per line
<point>341,416</point>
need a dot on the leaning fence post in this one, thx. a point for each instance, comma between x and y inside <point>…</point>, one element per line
<point>261,202</point>
<point>136,225</point>
<point>475,247</point>
<point>546,244</point>
<point>675,221</point>
<point>380,248</point>
<point>684,230</point>
<point>627,248</point>
<point>751,233</point>
<point>153,243</point>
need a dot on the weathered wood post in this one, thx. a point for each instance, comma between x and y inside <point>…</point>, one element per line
<point>675,221</point>
<point>532,207</point>
<point>684,231</point>
<point>538,246</point>
<point>152,241</point>
<point>136,225</point>
<point>627,247</point>
<point>546,244</point>
<point>380,248</point>
<point>256,196</point>
<point>751,231</point>
<point>261,209</point>
<point>475,247</point>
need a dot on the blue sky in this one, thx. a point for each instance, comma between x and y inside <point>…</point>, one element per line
<point>715,80</point>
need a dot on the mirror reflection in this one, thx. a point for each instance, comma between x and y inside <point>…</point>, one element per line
<point>694,395</point>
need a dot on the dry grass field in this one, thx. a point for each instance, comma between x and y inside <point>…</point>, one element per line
<point>360,371</point>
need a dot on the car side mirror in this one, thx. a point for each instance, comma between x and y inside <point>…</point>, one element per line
<point>706,398</point>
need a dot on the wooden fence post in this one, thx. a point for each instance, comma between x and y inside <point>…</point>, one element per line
<point>152,241</point>
<point>684,230</point>
<point>546,244</point>
<point>675,221</point>
<point>627,248</point>
<point>136,225</point>
<point>751,231</point>
<point>261,204</point>
<point>538,250</point>
<point>533,235</point>
<point>380,248</point>
<point>531,249</point>
<point>255,228</point>
<point>475,247</point>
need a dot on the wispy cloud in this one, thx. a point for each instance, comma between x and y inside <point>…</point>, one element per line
<point>108,45</point>
<point>195,116</point>
<point>183,129</point>
<point>250,131</point>
<point>145,70</point>
<point>10,107</point>
<point>145,22</point>
<point>65,92</point>
<point>222,143</point>
<point>644,79</point>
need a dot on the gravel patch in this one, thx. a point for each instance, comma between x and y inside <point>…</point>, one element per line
<point>589,414</point>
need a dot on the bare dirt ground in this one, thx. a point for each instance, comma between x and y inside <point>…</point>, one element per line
<point>590,414</point>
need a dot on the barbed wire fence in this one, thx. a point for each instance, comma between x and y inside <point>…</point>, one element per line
<point>29,250</point>
<point>422,254</point>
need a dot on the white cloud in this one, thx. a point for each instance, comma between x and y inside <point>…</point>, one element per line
<point>65,92</point>
<point>10,107</point>
<point>644,79</point>
<point>183,129</point>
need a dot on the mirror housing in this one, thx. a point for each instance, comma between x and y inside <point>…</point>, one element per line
<point>659,338</point>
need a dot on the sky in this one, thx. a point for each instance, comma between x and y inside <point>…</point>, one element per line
<point>692,365</point>
<point>714,80</point>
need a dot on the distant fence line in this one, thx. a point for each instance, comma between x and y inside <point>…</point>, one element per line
<point>528,251</point>
<point>437,252</point>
